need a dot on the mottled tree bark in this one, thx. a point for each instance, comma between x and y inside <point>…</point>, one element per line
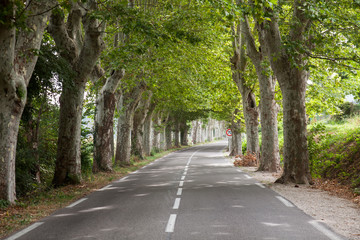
<point>126,107</point>
<point>292,79</point>
<point>195,126</point>
<point>236,135</point>
<point>17,61</point>
<point>81,51</point>
<point>104,123</point>
<point>168,135</point>
<point>184,133</point>
<point>270,157</point>
<point>177,134</point>
<point>156,145</point>
<point>251,112</point>
<point>147,140</point>
<point>138,125</point>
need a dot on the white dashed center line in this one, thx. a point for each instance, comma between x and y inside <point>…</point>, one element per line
<point>177,203</point>
<point>171,224</point>
<point>181,183</point>
<point>179,192</point>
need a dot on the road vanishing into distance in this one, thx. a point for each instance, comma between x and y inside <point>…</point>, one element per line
<point>191,194</point>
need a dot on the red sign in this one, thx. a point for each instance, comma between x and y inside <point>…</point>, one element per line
<point>228,132</point>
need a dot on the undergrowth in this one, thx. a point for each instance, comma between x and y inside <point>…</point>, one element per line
<point>334,151</point>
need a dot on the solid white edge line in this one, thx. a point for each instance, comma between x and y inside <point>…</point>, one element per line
<point>260,185</point>
<point>177,203</point>
<point>324,230</point>
<point>284,201</point>
<point>104,188</point>
<point>26,230</point>
<point>247,176</point>
<point>179,192</point>
<point>76,203</point>
<point>183,178</point>
<point>171,224</point>
<point>181,183</point>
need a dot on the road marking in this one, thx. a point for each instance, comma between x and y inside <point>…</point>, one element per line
<point>181,183</point>
<point>239,170</point>
<point>26,230</point>
<point>260,185</point>
<point>135,172</point>
<point>171,224</point>
<point>179,192</point>
<point>247,176</point>
<point>177,203</point>
<point>76,203</point>
<point>324,230</point>
<point>106,187</point>
<point>284,201</point>
<point>186,167</point>
<point>183,178</point>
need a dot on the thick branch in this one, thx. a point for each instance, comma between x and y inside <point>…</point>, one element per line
<point>250,42</point>
<point>58,31</point>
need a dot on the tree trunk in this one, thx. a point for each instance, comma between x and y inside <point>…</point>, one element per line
<point>126,105</point>
<point>177,134</point>
<point>168,136</point>
<point>210,129</point>
<point>18,59</point>
<point>236,135</point>
<point>270,157</point>
<point>138,126</point>
<point>251,112</point>
<point>156,145</point>
<point>251,115</point>
<point>292,77</point>
<point>104,123</point>
<point>68,161</point>
<point>184,133</point>
<point>81,52</point>
<point>195,126</point>
<point>147,130</point>
<point>296,164</point>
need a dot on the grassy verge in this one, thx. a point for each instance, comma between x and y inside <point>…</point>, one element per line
<point>334,149</point>
<point>44,202</point>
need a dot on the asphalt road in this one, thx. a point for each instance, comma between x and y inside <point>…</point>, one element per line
<point>190,194</point>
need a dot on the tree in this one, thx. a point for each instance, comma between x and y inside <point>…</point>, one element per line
<point>250,109</point>
<point>128,101</point>
<point>140,116</point>
<point>236,134</point>
<point>21,30</point>
<point>270,157</point>
<point>291,73</point>
<point>80,42</point>
<point>104,122</point>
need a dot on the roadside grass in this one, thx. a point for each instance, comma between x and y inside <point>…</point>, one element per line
<point>334,150</point>
<point>43,202</point>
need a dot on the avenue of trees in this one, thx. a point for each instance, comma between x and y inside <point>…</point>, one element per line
<point>147,72</point>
